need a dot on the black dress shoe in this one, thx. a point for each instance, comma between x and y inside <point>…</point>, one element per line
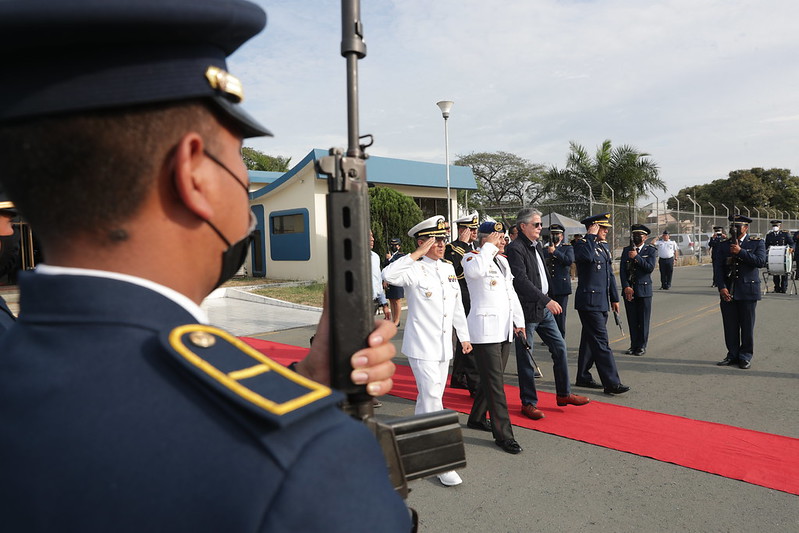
<point>510,446</point>
<point>485,425</point>
<point>588,384</point>
<point>744,364</point>
<point>640,351</point>
<point>727,361</point>
<point>629,351</point>
<point>617,389</point>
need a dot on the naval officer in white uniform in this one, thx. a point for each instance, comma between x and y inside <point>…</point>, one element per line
<point>494,318</point>
<point>434,308</point>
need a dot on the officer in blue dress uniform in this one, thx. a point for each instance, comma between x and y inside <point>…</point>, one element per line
<point>635,272</point>
<point>596,295</point>
<point>559,256</point>
<point>736,274</point>
<point>779,237</point>
<point>121,409</point>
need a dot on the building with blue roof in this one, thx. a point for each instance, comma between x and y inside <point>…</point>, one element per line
<point>291,232</point>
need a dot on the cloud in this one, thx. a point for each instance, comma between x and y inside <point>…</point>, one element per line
<point>689,82</point>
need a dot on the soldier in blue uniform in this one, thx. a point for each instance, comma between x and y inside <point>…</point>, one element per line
<point>736,274</point>
<point>779,237</point>
<point>596,295</point>
<point>559,256</point>
<point>121,409</point>
<point>635,272</point>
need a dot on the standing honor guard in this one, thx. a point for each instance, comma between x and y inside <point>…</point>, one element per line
<point>637,263</point>
<point>121,408</point>
<point>464,371</point>
<point>779,237</point>
<point>559,256</point>
<point>434,308</point>
<point>735,271</point>
<point>495,316</point>
<point>596,295</point>
<point>667,253</point>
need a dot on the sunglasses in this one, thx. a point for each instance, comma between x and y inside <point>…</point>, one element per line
<point>535,224</point>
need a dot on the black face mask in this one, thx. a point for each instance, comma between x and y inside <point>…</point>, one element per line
<point>638,238</point>
<point>235,254</point>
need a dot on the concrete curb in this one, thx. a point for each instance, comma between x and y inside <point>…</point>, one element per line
<point>239,294</point>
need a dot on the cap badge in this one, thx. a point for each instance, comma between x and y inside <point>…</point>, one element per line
<point>226,82</point>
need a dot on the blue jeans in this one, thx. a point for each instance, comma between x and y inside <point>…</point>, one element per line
<point>548,331</point>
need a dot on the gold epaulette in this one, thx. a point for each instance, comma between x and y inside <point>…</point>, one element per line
<point>244,375</point>
<point>447,261</point>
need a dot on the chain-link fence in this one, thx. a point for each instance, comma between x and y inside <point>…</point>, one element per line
<point>691,229</point>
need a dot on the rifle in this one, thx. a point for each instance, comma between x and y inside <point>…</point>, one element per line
<point>733,261</point>
<point>417,446</point>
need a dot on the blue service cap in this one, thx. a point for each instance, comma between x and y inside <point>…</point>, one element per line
<point>556,228</point>
<point>491,227</point>
<point>640,228</point>
<point>63,56</point>
<point>603,219</point>
<point>740,219</point>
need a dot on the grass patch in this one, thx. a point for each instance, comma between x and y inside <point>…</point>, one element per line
<point>243,281</point>
<point>306,294</point>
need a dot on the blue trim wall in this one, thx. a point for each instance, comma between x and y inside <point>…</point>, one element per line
<point>291,246</point>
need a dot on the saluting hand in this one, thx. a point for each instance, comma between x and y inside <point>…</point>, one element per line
<point>593,229</point>
<point>495,237</point>
<point>423,248</point>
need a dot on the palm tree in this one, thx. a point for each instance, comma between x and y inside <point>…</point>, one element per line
<point>630,174</point>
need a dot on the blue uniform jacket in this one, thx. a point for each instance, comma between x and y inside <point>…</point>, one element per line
<point>639,269</point>
<point>746,285</point>
<point>781,238</point>
<point>559,264</point>
<point>596,285</point>
<point>107,424</point>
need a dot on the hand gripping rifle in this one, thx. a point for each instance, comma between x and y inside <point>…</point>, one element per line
<point>414,447</point>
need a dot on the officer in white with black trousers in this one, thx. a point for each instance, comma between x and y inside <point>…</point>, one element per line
<point>495,316</point>
<point>434,308</point>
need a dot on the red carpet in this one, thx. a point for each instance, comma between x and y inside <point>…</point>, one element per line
<point>759,458</point>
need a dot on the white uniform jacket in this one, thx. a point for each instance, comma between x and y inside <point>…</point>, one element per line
<point>495,305</point>
<point>434,306</point>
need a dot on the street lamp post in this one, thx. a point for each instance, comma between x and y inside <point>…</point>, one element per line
<point>590,197</point>
<point>657,214</point>
<point>697,233</point>
<point>679,228</point>
<point>613,214</point>
<point>445,106</point>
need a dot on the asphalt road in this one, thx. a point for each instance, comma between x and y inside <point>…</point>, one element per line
<point>561,485</point>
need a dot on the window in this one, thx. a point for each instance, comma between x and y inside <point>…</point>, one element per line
<point>289,239</point>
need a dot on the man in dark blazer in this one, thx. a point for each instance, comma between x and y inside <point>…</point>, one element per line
<point>559,256</point>
<point>635,272</point>
<point>531,280</point>
<point>596,295</point>
<point>736,274</point>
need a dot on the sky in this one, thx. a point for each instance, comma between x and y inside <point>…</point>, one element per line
<point>703,86</point>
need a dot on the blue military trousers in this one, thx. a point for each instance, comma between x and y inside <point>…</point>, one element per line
<point>548,331</point>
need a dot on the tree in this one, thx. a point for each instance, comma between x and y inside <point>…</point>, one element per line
<point>256,160</point>
<point>505,182</point>
<point>757,188</point>
<point>392,214</point>
<point>629,174</point>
